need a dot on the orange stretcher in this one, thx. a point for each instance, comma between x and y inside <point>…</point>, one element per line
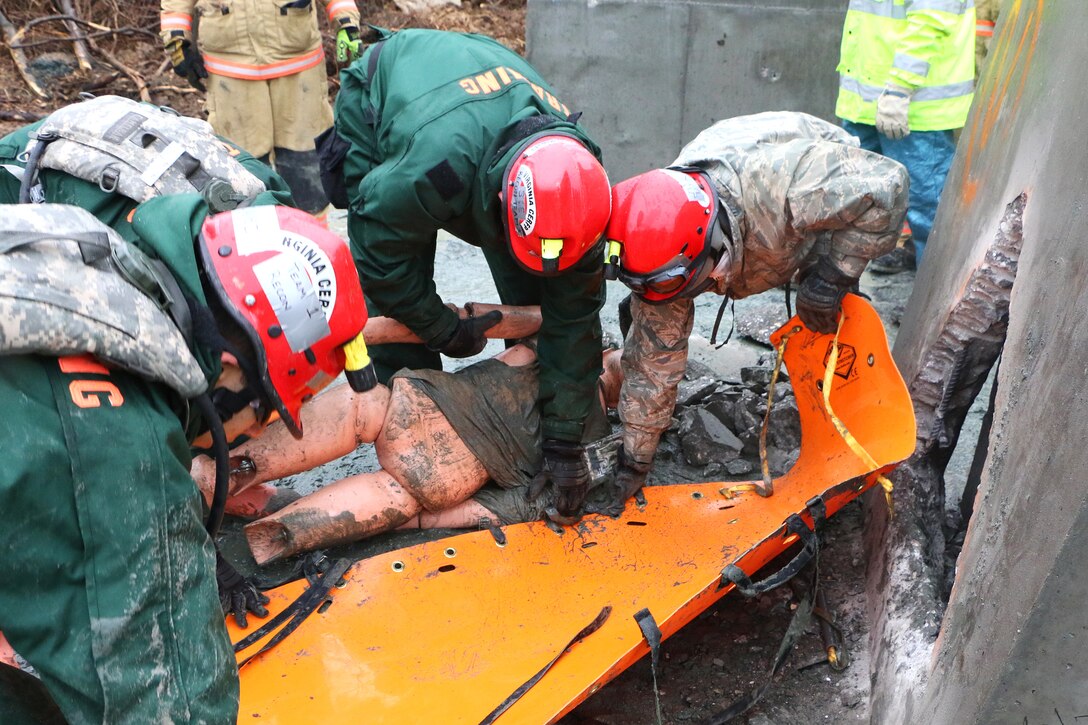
<point>445,631</point>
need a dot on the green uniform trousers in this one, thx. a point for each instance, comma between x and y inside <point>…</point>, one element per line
<point>108,575</point>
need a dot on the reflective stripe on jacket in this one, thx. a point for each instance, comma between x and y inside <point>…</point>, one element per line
<point>923,45</point>
<point>255,39</point>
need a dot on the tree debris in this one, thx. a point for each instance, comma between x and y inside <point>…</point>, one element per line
<point>11,37</point>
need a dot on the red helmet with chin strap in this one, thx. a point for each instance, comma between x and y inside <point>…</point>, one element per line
<point>664,235</point>
<point>556,201</point>
<point>291,286</point>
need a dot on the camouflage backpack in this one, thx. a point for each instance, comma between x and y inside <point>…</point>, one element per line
<point>139,151</point>
<point>69,285</point>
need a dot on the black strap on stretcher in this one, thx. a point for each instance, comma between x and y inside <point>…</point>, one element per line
<point>802,616</point>
<point>520,692</point>
<point>652,634</point>
<point>810,548</point>
<point>799,624</point>
<point>296,612</point>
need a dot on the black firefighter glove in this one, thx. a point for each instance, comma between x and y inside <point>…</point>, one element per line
<point>630,477</point>
<point>624,311</point>
<point>237,594</point>
<point>819,298</point>
<point>187,61</point>
<point>468,337</point>
<point>564,465</point>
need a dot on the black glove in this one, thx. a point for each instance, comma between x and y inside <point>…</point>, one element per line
<point>624,309</point>
<point>564,465</point>
<point>630,477</point>
<point>468,337</point>
<point>819,298</point>
<point>187,62</point>
<point>237,594</point>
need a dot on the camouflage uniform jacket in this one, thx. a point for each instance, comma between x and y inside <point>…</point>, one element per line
<point>794,188</point>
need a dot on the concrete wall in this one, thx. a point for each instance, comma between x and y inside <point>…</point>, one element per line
<point>649,75</point>
<point>1013,646</point>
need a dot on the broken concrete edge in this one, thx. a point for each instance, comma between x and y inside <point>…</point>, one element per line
<point>906,571</point>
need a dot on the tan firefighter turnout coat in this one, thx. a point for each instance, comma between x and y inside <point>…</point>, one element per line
<point>794,188</point>
<point>255,39</point>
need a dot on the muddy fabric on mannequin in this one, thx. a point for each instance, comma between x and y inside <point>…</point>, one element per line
<point>501,428</point>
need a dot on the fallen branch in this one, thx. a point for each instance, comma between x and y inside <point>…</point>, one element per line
<point>12,36</point>
<point>136,78</point>
<point>72,18</point>
<point>79,45</point>
<point>173,89</point>
<point>23,116</point>
<point>90,36</point>
<point>100,83</point>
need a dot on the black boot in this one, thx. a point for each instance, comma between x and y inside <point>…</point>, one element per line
<point>301,171</point>
<point>900,259</point>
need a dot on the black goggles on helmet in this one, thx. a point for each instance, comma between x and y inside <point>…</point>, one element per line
<point>670,278</point>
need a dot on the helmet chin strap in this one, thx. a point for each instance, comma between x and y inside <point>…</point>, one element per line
<point>221,454</point>
<point>718,321</point>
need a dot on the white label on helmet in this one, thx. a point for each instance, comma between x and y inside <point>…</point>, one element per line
<point>317,263</point>
<point>690,186</point>
<point>523,201</point>
<point>257,229</point>
<point>294,298</point>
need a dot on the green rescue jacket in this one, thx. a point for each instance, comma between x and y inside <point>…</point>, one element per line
<point>433,119</point>
<point>923,45</point>
<point>105,491</point>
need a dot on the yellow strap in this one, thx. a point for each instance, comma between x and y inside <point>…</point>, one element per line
<point>847,436</point>
<point>356,356</point>
<point>551,248</point>
<point>767,488</point>
<point>612,251</point>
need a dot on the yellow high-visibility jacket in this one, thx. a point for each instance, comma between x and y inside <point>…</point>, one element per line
<point>255,39</point>
<point>927,46</point>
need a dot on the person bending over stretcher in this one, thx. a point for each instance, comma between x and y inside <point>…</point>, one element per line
<point>440,439</point>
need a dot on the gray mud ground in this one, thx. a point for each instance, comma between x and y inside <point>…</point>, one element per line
<point>728,650</point>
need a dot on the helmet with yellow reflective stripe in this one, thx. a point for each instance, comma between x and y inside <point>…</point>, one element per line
<point>556,201</point>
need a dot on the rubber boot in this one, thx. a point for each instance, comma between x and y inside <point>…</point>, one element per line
<point>302,173</point>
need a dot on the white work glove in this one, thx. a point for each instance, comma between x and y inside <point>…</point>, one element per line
<point>891,111</point>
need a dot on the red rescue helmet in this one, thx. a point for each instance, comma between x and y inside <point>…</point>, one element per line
<point>291,287</point>
<point>556,201</point>
<point>664,236</point>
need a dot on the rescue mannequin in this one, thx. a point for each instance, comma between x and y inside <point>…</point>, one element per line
<point>430,477</point>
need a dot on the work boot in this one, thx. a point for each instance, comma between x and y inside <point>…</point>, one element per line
<point>900,259</point>
<point>302,173</point>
